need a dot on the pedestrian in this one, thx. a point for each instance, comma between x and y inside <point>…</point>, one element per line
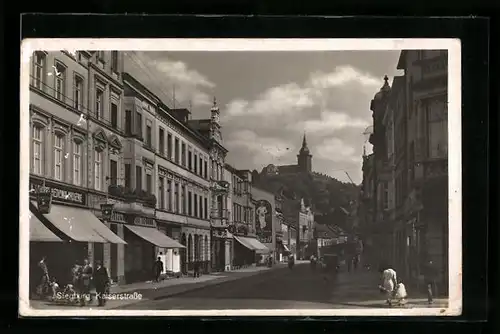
<point>355,261</point>
<point>389,282</point>
<point>43,285</point>
<point>86,281</point>
<point>430,274</point>
<point>400,294</point>
<point>157,269</point>
<point>291,262</point>
<point>196,269</point>
<point>313,262</point>
<point>101,283</point>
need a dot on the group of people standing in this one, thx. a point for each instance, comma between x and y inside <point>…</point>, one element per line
<point>83,279</point>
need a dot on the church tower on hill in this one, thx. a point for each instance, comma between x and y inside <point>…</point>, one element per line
<point>304,158</point>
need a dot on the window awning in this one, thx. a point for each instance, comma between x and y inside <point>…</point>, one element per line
<point>102,229</point>
<point>252,244</point>
<point>39,232</point>
<point>154,236</point>
<point>81,225</point>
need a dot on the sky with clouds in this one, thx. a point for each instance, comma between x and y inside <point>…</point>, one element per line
<point>268,100</point>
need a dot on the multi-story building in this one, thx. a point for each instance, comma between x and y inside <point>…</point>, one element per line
<point>405,180</point>
<point>220,238</point>
<point>166,172</point>
<point>424,224</point>
<point>75,153</point>
<point>305,231</point>
<point>245,246</point>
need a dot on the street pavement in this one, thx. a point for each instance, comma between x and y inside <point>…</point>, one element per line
<point>281,288</point>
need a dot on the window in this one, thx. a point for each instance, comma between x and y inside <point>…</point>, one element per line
<point>128,176</point>
<point>128,122</point>
<point>77,163</point>
<point>37,150</point>
<point>200,170</point>
<point>201,206</point>
<point>190,207</point>
<point>176,150</point>
<point>213,169</point>
<point>195,205</point>
<point>78,92</point>
<point>138,178</point>
<point>100,56</point>
<point>162,141</point>
<point>114,115</point>
<point>437,118</point>
<point>149,185</point>
<point>205,207</point>
<point>169,146</point>
<point>195,167</point>
<point>183,155</point>
<point>148,134</point>
<point>183,199</point>
<point>161,192</point>
<point>58,156</point>
<point>98,103</point>
<point>205,169</point>
<point>38,69</point>
<point>169,195</point>
<point>97,169</point>
<point>138,128</point>
<point>190,163</point>
<point>113,173</point>
<point>114,61</point>
<point>60,75</point>
<point>176,198</point>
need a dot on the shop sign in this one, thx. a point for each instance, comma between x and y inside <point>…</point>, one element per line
<point>219,233</point>
<point>144,221</point>
<point>59,193</point>
<point>263,218</point>
<point>265,239</point>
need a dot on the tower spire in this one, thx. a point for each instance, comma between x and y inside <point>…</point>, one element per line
<point>304,141</point>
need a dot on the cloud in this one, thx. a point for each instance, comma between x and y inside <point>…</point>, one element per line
<point>164,77</point>
<point>293,98</point>
<point>342,76</point>
<point>274,101</point>
<point>336,150</point>
<point>328,122</point>
<point>262,150</point>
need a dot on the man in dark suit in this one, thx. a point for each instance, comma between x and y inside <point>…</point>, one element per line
<point>158,269</point>
<point>101,282</point>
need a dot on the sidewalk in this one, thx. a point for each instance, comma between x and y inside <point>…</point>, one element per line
<point>137,292</point>
<point>360,288</point>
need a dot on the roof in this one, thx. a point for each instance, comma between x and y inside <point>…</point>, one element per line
<point>401,61</point>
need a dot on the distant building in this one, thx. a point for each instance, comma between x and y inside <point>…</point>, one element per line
<point>304,163</point>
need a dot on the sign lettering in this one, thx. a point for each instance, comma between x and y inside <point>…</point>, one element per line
<point>59,193</point>
<point>143,221</point>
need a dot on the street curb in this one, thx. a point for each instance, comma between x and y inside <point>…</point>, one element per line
<point>202,286</point>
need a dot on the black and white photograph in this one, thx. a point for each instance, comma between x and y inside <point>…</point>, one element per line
<point>240,177</point>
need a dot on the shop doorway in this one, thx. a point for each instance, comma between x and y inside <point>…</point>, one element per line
<point>113,265</point>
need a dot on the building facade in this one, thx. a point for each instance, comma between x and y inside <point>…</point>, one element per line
<point>220,239</point>
<point>405,179</point>
<point>76,101</point>
<point>166,169</point>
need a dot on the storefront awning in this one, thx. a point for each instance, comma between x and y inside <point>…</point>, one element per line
<point>252,244</point>
<point>102,229</point>
<point>73,222</point>
<point>154,236</point>
<point>39,232</point>
<point>245,242</point>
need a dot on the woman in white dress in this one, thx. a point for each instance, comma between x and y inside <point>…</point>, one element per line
<point>389,283</point>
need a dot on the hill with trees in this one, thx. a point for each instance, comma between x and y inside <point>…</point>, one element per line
<point>330,199</point>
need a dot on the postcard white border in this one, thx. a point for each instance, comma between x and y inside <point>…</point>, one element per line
<point>454,158</point>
